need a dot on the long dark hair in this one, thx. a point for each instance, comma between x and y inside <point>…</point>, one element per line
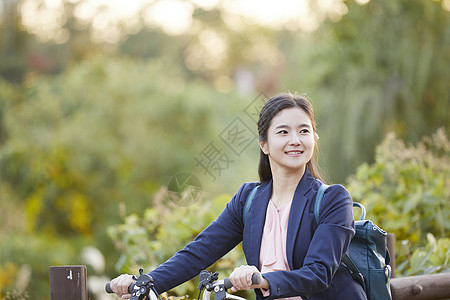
<point>269,110</point>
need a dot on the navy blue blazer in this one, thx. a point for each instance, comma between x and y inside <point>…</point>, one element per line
<point>314,252</point>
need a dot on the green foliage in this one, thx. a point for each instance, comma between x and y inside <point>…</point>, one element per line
<point>98,135</point>
<point>406,190</point>
<point>25,262</point>
<point>107,131</point>
<point>433,258</point>
<point>148,240</point>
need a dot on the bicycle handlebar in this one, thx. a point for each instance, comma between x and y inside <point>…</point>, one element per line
<point>110,291</point>
<point>226,283</point>
<point>143,286</point>
<point>256,279</point>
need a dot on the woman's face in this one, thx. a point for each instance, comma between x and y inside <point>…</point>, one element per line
<point>290,141</point>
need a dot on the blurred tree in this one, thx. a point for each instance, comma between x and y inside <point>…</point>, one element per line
<point>96,136</point>
<point>218,48</point>
<point>23,52</point>
<point>381,68</point>
<point>13,43</point>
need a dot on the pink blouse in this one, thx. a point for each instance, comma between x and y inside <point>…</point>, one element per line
<point>273,243</point>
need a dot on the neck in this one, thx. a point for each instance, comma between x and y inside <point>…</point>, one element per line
<point>283,186</point>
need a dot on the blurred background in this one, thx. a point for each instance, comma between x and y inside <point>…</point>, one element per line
<point>126,126</point>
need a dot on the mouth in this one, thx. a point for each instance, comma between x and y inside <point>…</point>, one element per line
<point>294,152</point>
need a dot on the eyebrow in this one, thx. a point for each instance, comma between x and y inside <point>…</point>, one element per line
<point>286,126</point>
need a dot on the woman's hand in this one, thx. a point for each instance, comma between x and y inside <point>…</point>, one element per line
<point>120,284</point>
<point>241,278</point>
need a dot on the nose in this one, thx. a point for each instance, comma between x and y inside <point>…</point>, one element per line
<point>294,139</point>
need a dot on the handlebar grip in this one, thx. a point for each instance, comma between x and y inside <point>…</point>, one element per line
<point>110,291</point>
<point>255,280</point>
<point>108,288</point>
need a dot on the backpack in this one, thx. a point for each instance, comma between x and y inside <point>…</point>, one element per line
<point>368,256</point>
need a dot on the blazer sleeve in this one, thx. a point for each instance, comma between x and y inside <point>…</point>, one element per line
<point>211,244</point>
<point>328,244</point>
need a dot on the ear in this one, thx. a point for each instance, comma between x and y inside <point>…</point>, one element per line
<point>263,146</point>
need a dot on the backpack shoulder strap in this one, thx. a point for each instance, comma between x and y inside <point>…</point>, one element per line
<point>319,197</point>
<point>248,203</point>
<point>356,274</point>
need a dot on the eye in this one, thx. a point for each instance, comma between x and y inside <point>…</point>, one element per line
<point>282,132</point>
<point>304,131</point>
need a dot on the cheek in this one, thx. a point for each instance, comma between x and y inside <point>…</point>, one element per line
<point>311,144</point>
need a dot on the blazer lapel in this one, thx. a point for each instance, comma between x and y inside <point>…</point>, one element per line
<point>254,227</point>
<point>295,215</point>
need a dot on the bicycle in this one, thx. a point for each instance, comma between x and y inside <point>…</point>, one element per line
<point>208,284</point>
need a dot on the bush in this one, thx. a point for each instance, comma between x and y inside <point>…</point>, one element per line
<point>406,190</point>
<point>433,258</point>
<point>97,135</point>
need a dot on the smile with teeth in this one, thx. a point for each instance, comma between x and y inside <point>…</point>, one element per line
<point>294,152</point>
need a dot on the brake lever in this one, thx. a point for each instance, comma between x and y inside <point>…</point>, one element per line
<point>143,286</point>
